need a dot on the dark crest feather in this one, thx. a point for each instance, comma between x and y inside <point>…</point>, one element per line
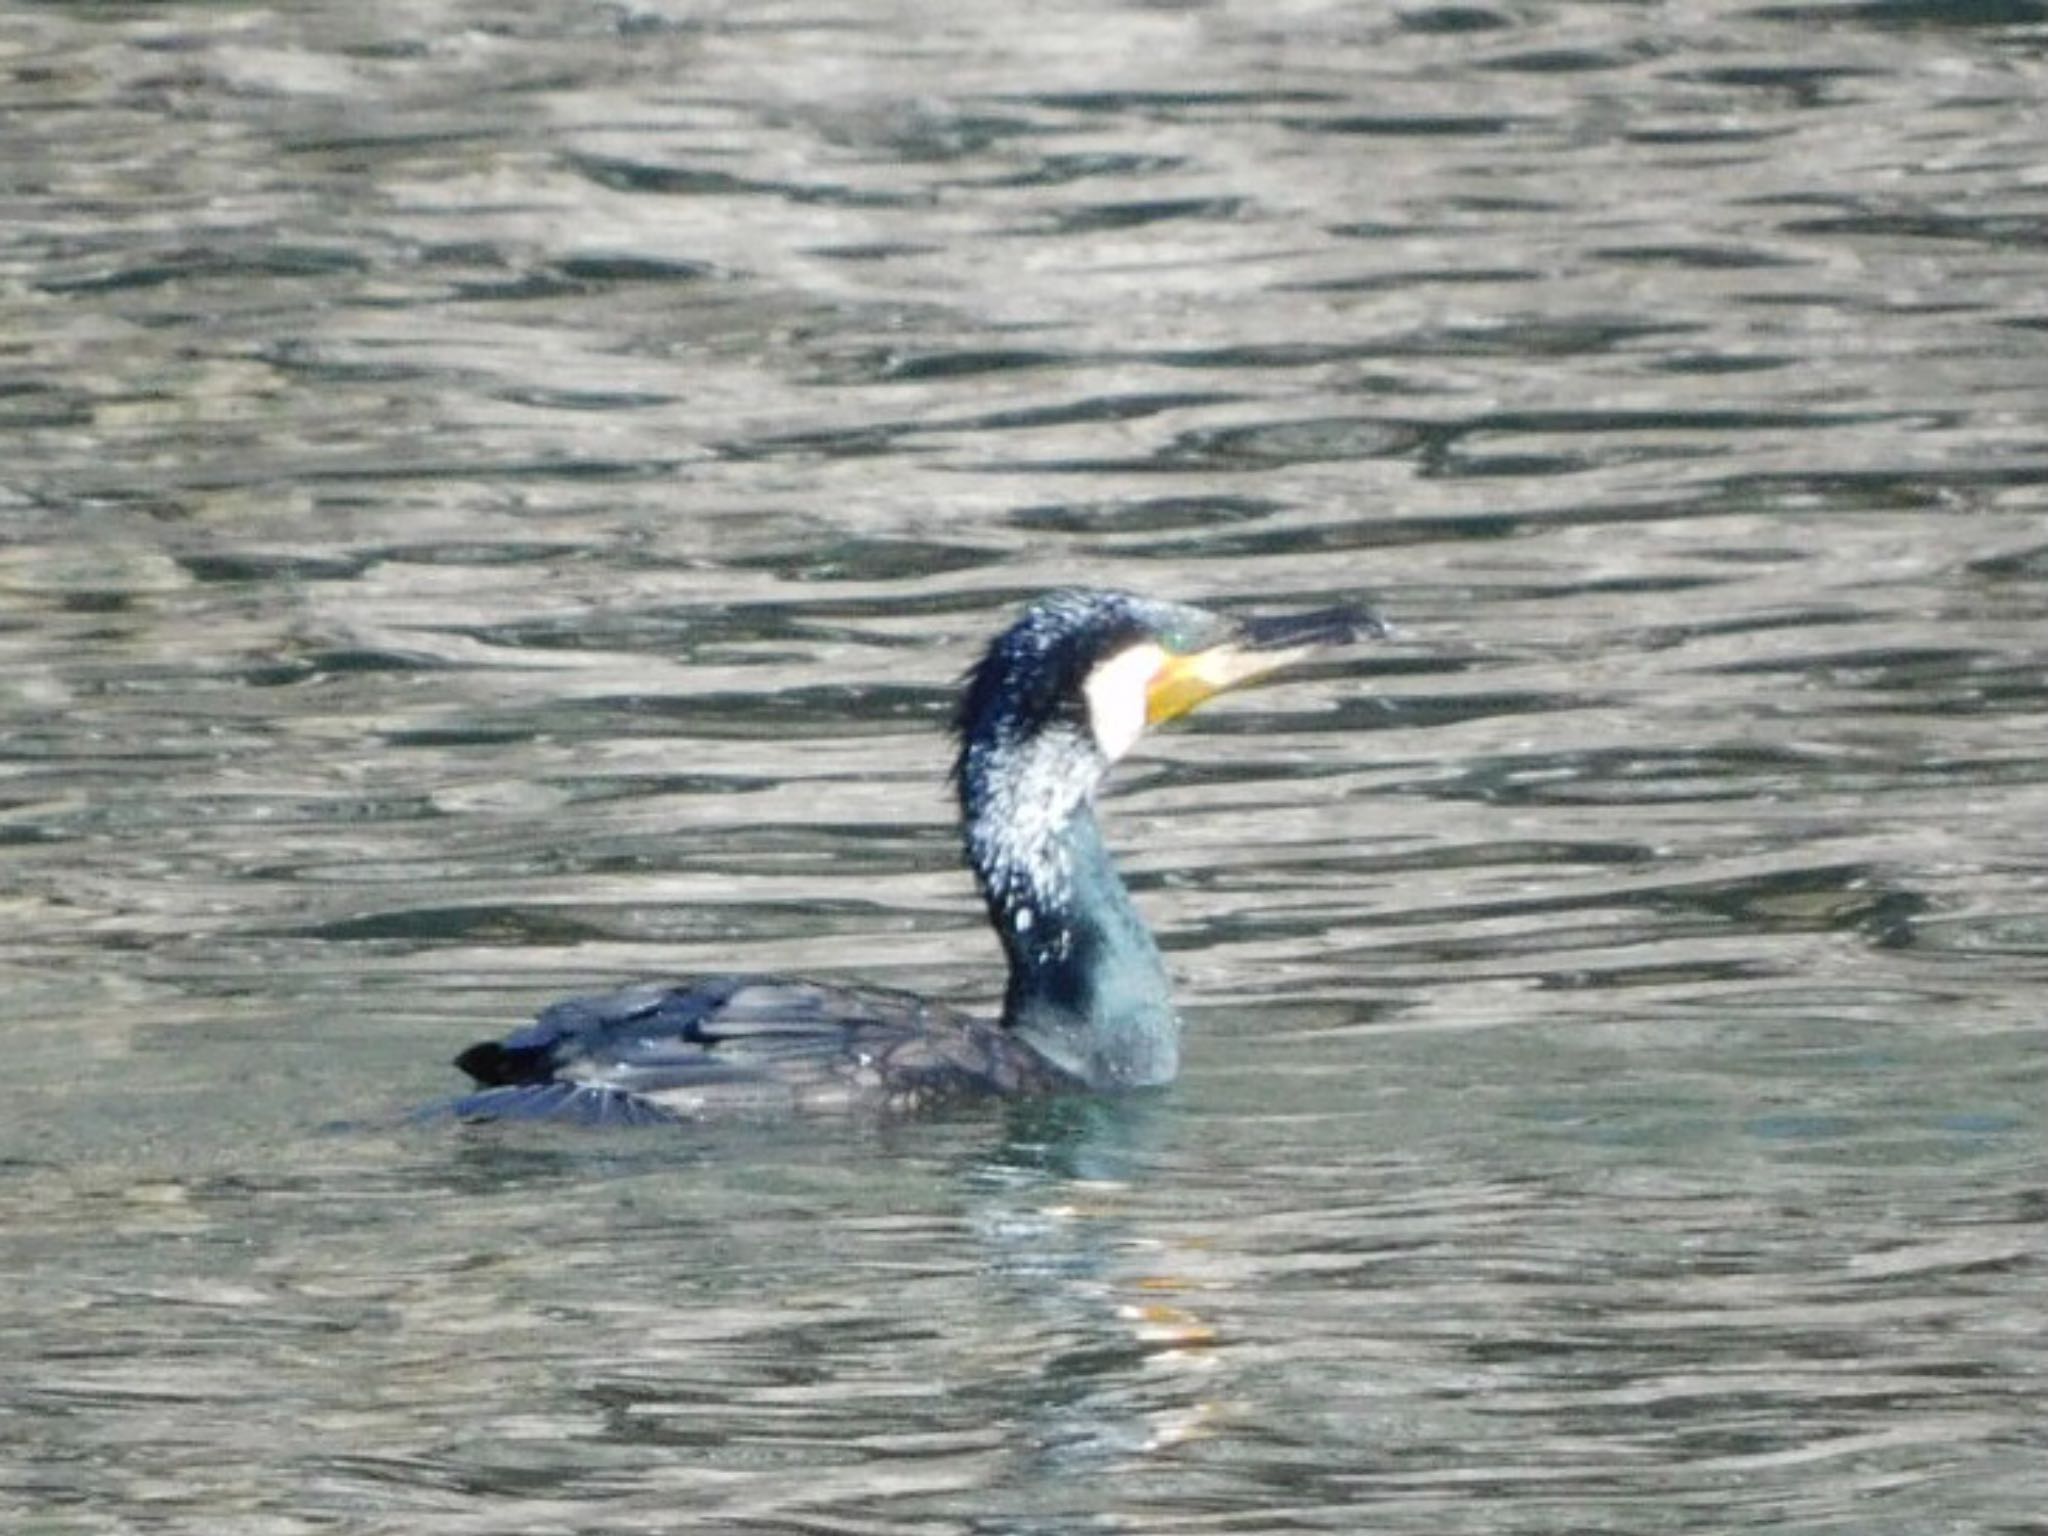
<point>1032,674</point>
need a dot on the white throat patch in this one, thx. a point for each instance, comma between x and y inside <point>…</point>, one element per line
<point>1116,697</point>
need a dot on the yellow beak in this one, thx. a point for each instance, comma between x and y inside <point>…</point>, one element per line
<point>1258,648</point>
<point>1182,682</point>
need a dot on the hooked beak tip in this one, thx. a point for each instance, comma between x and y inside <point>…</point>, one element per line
<point>1344,624</point>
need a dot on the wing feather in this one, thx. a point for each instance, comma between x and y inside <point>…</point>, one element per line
<point>738,1042</point>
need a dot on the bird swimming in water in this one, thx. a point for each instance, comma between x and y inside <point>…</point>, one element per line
<point>1059,696</point>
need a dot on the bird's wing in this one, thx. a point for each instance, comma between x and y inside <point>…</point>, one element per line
<point>738,1042</point>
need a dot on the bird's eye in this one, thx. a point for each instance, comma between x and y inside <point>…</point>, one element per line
<point>1115,690</point>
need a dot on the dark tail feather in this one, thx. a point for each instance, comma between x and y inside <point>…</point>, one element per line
<point>570,1103</point>
<point>494,1064</point>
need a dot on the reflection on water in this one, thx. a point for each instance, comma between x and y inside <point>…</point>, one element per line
<point>496,502</point>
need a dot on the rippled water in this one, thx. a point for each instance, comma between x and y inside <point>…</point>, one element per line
<point>495,498</point>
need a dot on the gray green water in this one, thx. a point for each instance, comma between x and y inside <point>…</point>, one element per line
<point>494,499</point>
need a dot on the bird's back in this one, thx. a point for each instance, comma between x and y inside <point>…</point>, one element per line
<point>745,1044</point>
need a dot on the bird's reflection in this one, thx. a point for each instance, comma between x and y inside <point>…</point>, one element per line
<point>1128,1362</point>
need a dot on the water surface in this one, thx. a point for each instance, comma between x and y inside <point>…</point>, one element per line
<point>496,499</point>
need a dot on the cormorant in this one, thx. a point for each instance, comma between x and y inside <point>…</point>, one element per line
<point>1059,696</point>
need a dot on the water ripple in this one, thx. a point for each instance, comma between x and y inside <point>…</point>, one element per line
<point>497,504</point>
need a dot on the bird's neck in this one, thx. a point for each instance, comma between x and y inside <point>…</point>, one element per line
<point>1088,988</point>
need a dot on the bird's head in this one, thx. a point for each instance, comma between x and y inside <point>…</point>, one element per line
<point>1086,673</point>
